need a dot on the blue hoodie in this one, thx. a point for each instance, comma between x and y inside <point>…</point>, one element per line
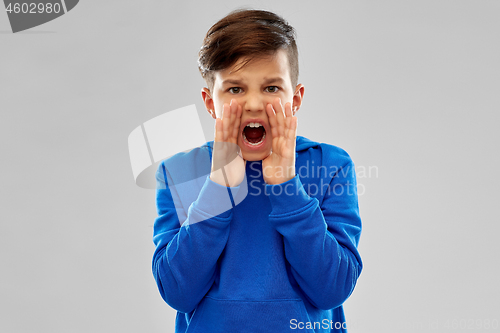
<point>258,257</point>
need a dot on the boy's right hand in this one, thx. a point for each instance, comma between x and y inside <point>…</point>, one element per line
<point>228,166</point>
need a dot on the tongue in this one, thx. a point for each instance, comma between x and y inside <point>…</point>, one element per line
<point>254,134</point>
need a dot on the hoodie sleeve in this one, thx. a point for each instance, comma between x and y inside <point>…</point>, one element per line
<point>185,259</point>
<point>320,238</point>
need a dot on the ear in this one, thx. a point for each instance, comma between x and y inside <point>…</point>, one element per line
<point>297,98</point>
<point>208,101</point>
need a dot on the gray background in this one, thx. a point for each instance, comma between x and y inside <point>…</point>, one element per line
<point>409,88</point>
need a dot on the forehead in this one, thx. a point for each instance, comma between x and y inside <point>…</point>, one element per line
<point>258,69</point>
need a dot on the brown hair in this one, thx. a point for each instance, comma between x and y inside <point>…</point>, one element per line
<point>246,33</point>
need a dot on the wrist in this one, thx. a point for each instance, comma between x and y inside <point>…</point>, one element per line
<point>218,177</point>
<point>278,175</point>
<point>279,181</point>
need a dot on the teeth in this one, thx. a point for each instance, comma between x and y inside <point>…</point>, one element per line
<point>254,125</point>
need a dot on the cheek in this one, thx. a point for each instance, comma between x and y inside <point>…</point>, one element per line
<point>219,104</point>
<point>287,98</point>
<point>284,96</point>
<point>218,108</point>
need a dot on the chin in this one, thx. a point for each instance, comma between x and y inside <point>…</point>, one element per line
<point>255,156</point>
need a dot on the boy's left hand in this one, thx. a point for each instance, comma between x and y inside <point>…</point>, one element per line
<point>279,166</point>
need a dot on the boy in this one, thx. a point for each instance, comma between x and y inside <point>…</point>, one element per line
<point>265,237</point>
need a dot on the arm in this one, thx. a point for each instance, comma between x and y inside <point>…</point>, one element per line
<point>185,259</point>
<point>320,240</point>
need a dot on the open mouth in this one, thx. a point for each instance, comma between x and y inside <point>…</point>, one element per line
<point>254,134</point>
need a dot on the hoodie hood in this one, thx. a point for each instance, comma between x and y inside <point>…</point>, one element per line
<point>196,164</point>
<point>301,144</point>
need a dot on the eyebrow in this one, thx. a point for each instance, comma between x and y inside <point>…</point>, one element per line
<point>273,80</point>
<point>266,81</point>
<point>229,81</point>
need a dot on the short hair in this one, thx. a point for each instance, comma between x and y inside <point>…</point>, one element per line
<point>246,33</point>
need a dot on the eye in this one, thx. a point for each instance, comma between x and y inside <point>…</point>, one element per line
<point>234,90</point>
<point>272,89</point>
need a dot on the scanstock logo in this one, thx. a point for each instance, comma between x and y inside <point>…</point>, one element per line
<point>28,14</point>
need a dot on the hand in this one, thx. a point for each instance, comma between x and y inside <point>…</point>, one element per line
<point>279,166</point>
<point>228,166</point>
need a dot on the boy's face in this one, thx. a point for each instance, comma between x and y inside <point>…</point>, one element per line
<point>254,86</point>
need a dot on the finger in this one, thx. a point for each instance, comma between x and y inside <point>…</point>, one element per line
<point>280,116</point>
<point>218,130</point>
<point>290,122</point>
<point>288,110</point>
<point>288,117</point>
<point>272,120</point>
<point>233,106</point>
<point>234,116</point>
<point>292,134</point>
<point>226,116</point>
<point>237,123</point>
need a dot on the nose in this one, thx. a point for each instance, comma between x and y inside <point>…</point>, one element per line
<point>255,103</point>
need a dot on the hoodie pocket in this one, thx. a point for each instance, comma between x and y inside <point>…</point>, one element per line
<point>242,316</point>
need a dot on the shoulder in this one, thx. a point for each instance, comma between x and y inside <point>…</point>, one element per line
<point>188,165</point>
<point>321,153</point>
